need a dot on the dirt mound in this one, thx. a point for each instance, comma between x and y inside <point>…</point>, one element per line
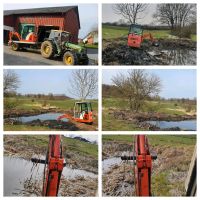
<point>123,55</point>
<point>169,51</point>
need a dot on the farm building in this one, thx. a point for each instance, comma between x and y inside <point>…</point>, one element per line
<point>92,37</point>
<point>42,20</point>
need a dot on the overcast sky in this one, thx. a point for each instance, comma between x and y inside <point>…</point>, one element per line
<point>88,14</point>
<point>45,81</point>
<point>108,14</point>
<point>91,137</point>
<point>176,83</point>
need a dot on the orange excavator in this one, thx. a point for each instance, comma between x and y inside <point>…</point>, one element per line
<point>142,165</point>
<point>82,113</point>
<point>54,164</point>
<point>136,37</point>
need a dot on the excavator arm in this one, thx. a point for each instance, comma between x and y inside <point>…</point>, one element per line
<point>142,165</point>
<point>54,164</point>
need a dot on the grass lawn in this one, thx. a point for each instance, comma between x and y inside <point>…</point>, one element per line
<point>112,32</point>
<point>25,128</point>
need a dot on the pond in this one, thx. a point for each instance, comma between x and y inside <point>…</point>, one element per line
<point>110,162</point>
<point>176,56</point>
<point>41,117</point>
<point>17,171</point>
<point>183,125</point>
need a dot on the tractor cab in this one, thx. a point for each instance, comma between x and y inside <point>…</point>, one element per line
<point>62,36</point>
<point>83,112</point>
<point>135,36</point>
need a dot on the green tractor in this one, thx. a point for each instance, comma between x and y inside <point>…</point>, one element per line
<point>58,44</point>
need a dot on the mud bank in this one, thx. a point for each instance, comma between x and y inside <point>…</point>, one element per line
<point>142,120</point>
<point>48,119</point>
<point>25,113</point>
<point>169,52</point>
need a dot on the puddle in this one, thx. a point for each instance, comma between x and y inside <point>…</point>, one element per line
<point>108,163</point>
<point>184,125</point>
<point>41,117</point>
<point>176,56</point>
<point>17,171</point>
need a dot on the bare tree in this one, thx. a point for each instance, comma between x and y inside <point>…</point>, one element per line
<point>10,81</point>
<point>84,83</point>
<point>129,11</point>
<point>176,15</point>
<point>137,86</point>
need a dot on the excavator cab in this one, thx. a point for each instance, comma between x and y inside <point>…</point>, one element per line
<point>26,30</point>
<point>135,36</point>
<point>83,112</point>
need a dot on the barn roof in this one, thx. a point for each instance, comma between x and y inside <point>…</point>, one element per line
<point>47,10</point>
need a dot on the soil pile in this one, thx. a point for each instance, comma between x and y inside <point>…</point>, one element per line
<point>169,51</point>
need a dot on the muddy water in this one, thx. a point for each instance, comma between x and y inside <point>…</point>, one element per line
<point>175,56</point>
<point>110,162</point>
<point>41,117</point>
<point>17,171</point>
<point>183,125</point>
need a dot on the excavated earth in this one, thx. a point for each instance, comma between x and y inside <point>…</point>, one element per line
<point>171,166</point>
<point>52,124</point>
<point>169,52</point>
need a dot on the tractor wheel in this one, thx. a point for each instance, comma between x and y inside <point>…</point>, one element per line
<point>15,46</point>
<point>86,62</point>
<point>70,58</point>
<point>47,49</point>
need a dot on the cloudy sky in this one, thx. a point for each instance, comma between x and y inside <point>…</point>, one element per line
<point>109,15</point>
<point>176,83</point>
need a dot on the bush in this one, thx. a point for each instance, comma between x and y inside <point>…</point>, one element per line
<point>10,104</point>
<point>184,32</point>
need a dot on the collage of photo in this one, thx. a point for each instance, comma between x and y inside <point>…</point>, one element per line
<point>99,100</point>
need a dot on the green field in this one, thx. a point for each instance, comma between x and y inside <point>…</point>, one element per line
<point>28,104</point>
<point>155,140</point>
<point>112,32</point>
<point>40,142</point>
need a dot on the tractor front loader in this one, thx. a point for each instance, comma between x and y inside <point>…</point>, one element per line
<point>52,43</point>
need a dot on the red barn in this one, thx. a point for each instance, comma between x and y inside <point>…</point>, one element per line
<point>43,19</point>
